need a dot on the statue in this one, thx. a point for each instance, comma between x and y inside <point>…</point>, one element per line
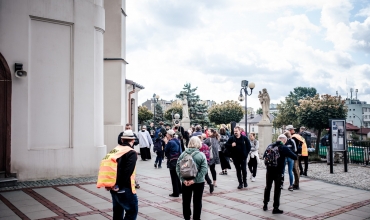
<point>265,103</point>
<point>185,108</point>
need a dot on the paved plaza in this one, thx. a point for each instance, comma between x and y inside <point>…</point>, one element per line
<point>315,200</point>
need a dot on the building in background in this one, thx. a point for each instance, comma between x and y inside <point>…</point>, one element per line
<point>163,103</point>
<point>63,116</point>
<point>358,111</point>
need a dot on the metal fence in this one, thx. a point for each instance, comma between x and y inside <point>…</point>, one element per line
<point>358,152</point>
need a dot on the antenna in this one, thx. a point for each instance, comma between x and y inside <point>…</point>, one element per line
<point>356,93</point>
<point>351,90</point>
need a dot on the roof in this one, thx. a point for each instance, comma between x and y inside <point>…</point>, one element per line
<point>351,127</point>
<point>363,131</point>
<point>256,119</point>
<point>134,84</point>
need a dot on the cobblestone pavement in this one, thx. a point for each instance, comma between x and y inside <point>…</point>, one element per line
<point>82,200</point>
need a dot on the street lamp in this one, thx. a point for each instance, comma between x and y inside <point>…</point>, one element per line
<point>241,98</point>
<point>361,125</point>
<point>155,101</point>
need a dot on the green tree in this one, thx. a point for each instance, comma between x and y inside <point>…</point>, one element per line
<point>287,112</point>
<point>226,112</point>
<point>175,109</point>
<point>158,114</point>
<point>315,112</point>
<point>259,111</point>
<point>144,114</point>
<point>197,110</point>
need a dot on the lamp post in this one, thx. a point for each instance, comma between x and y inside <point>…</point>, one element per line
<point>241,98</point>
<point>155,101</point>
<point>361,125</point>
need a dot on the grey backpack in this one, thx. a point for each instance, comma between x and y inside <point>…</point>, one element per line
<point>188,168</point>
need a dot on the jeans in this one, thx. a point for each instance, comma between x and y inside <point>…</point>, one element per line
<point>290,163</point>
<point>159,158</point>
<point>197,190</point>
<point>252,165</point>
<point>176,185</point>
<point>296,172</point>
<point>273,175</point>
<point>305,160</point>
<point>122,202</point>
<point>241,169</point>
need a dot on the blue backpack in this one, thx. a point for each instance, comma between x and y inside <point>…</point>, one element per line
<point>157,131</point>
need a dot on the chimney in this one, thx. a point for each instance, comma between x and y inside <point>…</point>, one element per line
<point>356,93</point>
<point>351,90</point>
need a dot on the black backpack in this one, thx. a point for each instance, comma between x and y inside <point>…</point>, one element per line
<point>158,145</point>
<point>271,155</point>
<point>307,137</point>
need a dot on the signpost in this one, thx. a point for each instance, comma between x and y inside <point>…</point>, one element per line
<point>338,140</point>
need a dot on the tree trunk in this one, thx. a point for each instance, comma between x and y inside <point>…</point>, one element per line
<point>318,142</point>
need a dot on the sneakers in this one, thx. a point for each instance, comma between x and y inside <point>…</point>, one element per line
<point>253,179</point>
<point>211,188</point>
<point>245,184</point>
<point>264,207</point>
<point>290,188</point>
<point>240,186</point>
<point>277,211</point>
<point>155,165</point>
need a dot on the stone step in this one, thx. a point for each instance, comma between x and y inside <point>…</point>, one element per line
<point>7,182</point>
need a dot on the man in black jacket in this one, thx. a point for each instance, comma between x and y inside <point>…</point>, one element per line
<point>124,197</point>
<point>128,127</point>
<point>273,173</point>
<point>239,147</point>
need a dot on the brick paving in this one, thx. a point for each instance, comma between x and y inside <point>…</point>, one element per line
<point>80,199</point>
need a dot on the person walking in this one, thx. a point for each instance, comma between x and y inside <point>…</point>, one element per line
<point>304,157</point>
<point>127,127</point>
<point>193,187</point>
<point>253,156</point>
<point>223,153</point>
<point>297,143</point>
<point>172,151</point>
<point>291,145</point>
<point>158,148</point>
<point>117,174</point>
<point>274,157</point>
<point>213,141</point>
<point>205,150</point>
<point>151,129</point>
<point>239,147</point>
<point>145,143</point>
<point>198,131</point>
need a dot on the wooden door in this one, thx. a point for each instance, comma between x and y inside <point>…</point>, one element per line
<point>5,113</point>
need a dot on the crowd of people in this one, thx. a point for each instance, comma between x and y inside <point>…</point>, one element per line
<point>191,153</point>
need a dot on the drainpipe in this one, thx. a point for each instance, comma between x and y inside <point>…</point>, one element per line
<point>129,103</point>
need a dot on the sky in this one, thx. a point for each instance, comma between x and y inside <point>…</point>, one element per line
<point>278,45</point>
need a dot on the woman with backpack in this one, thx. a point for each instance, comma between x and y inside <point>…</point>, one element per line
<point>158,149</point>
<point>172,151</point>
<point>253,156</point>
<point>214,143</point>
<point>192,186</point>
<point>223,153</point>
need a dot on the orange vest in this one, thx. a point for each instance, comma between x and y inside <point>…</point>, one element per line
<point>304,145</point>
<point>108,168</point>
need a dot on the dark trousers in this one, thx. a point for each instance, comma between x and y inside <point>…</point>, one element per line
<point>225,164</point>
<point>207,179</point>
<point>159,158</point>
<point>182,145</point>
<point>241,170</point>
<point>212,168</point>
<point>252,165</point>
<point>188,191</point>
<point>273,175</point>
<point>176,185</point>
<point>305,160</point>
<point>122,202</point>
<point>145,153</point>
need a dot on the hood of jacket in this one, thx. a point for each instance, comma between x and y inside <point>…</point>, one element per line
<point>191,150</point>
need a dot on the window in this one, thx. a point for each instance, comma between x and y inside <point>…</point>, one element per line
<point>349,110</point>
<point>354,109</point>
<point>252,129</point>
<point>349,116</point>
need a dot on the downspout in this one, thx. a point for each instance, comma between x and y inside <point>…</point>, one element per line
<point>129,103</point>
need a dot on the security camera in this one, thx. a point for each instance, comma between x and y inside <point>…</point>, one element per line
<point>20,73</point>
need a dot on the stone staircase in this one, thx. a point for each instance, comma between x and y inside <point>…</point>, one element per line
<point>8,180</point>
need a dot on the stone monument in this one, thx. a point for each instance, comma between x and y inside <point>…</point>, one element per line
<point>185,122</point>
<point>265,125</point>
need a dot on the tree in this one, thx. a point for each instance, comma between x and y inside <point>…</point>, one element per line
<point>226,112</point>
<point>259,111</point>
<point>144,114</point>
<point>315,112</point>
<point>197,110</point>
<point>158,116</point>
<point>287,112</point>
<point>177,108</point>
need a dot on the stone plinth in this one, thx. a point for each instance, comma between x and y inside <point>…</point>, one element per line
<point>185,123</point>
<point>264,136</point>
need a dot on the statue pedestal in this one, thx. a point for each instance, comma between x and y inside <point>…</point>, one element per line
<point>185,123</point>
<point>264,136</point>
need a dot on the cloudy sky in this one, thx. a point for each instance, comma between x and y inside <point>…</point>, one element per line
<point>278,45</point>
